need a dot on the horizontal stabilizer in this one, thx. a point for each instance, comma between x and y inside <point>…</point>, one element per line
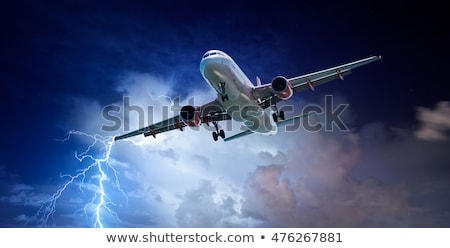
<point>238,135</point>
<point>294,119</point>
<point>291,120</point>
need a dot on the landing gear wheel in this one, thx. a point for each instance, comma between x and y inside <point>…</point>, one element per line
<point>275,117</point>
<point>281,115</point>
<point>218,132</point>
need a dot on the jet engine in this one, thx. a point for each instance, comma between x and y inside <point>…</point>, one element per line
<point>281,87</point>
<point>190,116</point>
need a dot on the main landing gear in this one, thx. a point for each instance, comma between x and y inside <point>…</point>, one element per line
<point>278,114</point>
<point>218,132</point>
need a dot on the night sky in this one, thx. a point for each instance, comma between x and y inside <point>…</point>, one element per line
<point>61,62</point>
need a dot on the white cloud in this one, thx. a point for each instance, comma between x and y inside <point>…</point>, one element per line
<point>198,208</point>
<point>434,122</point>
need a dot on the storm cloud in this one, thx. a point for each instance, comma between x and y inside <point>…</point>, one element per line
<point>323,180</point>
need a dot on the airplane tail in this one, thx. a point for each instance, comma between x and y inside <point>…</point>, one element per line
<point>258,81</point>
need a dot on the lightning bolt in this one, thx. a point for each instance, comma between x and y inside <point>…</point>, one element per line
<point>95,177</point>
<point>102,172</point>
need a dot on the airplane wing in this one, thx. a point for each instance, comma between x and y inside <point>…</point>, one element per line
<point>209,112</point>
<point>308,81</point>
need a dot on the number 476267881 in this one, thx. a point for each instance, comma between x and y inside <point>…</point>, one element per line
<point>307,237</point>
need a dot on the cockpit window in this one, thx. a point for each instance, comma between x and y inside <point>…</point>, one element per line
<point>207,54</point>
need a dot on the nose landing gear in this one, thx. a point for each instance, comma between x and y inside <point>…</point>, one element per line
<point>223,93</point>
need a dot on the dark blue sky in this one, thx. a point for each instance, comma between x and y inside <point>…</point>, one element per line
<point>56,55</point>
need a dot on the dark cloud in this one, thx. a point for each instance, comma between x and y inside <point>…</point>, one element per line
<point>374,178</point>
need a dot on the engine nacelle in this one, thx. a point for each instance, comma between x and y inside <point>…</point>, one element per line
<point>190,116</point>
<point>281,87</point>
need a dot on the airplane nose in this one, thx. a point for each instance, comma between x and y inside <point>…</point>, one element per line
<point>204,65</point>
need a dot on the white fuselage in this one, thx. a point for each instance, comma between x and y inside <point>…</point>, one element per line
<point>235,92</point>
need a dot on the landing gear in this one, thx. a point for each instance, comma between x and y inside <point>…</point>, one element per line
<point>223,93</point>
<point>218,132</point>
<point>281,114</point>
<point>225,98</point>
<point>278,114</point>
<point>275,117</point>
<point>215,136</point>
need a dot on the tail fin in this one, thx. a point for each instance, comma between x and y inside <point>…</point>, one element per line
<point>258,81</point>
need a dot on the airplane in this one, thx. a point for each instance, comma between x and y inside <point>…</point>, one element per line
<point>240,100</point>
